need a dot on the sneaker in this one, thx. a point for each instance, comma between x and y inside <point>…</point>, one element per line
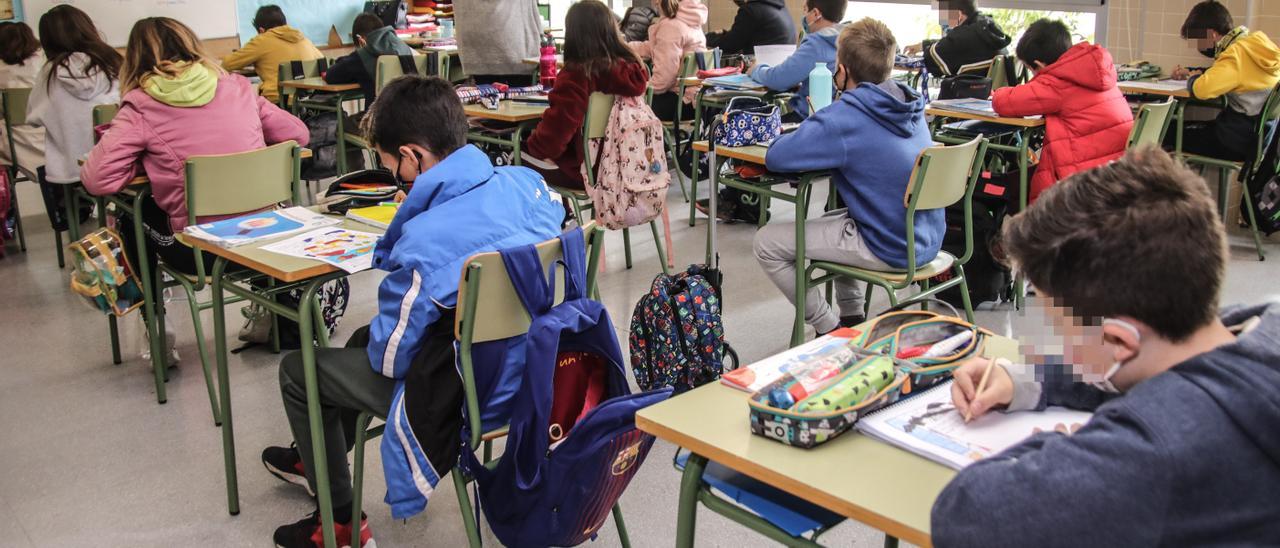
<point>286,464</point>
<point>724,214</point>
<point>306,533</point>
<point>170,343</point>
<point>852,320</point>
<point>257,324</point>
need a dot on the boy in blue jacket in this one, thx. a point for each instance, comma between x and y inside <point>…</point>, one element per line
<point>871,136</point>
<point>820,22</point>
<point>1183,448</point>
<point>460,205</point>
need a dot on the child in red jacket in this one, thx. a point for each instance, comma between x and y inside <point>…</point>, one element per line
<point>1087,119</point>
<point>596,59</point>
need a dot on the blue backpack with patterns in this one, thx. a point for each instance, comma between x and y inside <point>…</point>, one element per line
<point>573,445</point>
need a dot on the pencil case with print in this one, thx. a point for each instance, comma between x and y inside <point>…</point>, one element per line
<point>931,344</point>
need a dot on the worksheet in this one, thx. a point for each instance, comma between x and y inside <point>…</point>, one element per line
<point>774,55</point>
<point>350,250</point>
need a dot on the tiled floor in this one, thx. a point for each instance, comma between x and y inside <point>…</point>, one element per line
<point>89,459</point>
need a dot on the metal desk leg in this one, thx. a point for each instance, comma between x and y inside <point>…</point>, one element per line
<point>687,513</point>
<point>149,296</point>
<point>224,386</point>
<point>1019,283</point>
<point>306,334</point>
<point>802,214</point>
<point>890,541</point>
<point>1179,114</point>
<point>515,143</point>
<point>694,135</point>
<point>342,140</point>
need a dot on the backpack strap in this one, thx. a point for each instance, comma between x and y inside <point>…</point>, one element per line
<point>407,65</point>
<point>322,65</point>
<point>295,70</point>
<point>524,268</point>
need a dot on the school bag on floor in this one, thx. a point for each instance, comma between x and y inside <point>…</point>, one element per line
<point>631,177</point>
<point>677,337</point>
<point>1264,189</point>
<point>573,445</point>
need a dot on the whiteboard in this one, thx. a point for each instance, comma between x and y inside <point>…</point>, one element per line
<point>115,18</point>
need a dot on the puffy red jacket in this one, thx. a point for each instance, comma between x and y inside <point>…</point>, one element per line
<point>1087,119</point>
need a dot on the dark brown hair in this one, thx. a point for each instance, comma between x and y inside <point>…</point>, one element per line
<point>592,41</point>
<point>160,46</point>
<point>1045,40</point>
<point>17,43</point>
<point>424,111</point>
<point>364,24</point>
<point>269,17</point>
<point>1139,237</point>
<point>1207,15</point>
<point>65,30</point>
<point>866,49</point>
<point>831,10</point>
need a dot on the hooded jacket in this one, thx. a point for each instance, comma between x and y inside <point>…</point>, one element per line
<point>558,136</point>
<point>64,107</point>
<point>360,66</point>
<point>167,120</point>
<point>757,23</point>
<point>266,51</point>
<point>1190,457</point>
<point>977,39</point>
<point>670,39</point>
<point>28,140</point>
<point>817,47</point>
<point>495,37</point>
<point>460,207</point>
<point>871,137</point>
<point>1087,119</point>
<point>1245,71</point>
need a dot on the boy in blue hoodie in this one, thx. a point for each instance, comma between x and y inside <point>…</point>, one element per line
<point>821,24</point>
<point>1183,448</point>
<point>402,366</point>
<point>871,136</point>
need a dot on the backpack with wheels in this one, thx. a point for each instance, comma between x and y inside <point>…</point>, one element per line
<point>573,445</point>
<point>677,336</point>
<point>630,167</point>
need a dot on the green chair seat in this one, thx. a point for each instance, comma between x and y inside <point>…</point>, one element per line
<point>938,265</point>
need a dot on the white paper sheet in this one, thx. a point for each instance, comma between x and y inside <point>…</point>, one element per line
<point>774,55</point>
<point>350,250</point>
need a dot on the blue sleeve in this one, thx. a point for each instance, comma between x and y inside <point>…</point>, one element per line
<point>405,310</point>
<point>791,72</point>
<point>816,145</point>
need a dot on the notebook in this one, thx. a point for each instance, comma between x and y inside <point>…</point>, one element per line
<point>379,215</point>
<point>928,425</point>
<point>1158,85</point>
<point>256,227</point>
<point>758,375</point>
<point>976,106</point>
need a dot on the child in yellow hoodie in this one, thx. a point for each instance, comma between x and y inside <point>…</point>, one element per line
<point>275,43</point>
<point>1246,67</point>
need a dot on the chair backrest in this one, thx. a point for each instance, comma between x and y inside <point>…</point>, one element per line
<point>390,67</point>
<point>15,106</point>
<point>943,176</point>
<point>298,70</point>
<point>999,73</point>
<point>1150,124</point>
<point>234,183</point>
<point>1267,123</point>
<point>599,105</point>
<point>103,114</point>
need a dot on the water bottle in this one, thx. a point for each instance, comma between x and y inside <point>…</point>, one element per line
<point>820,87</point>
<point>547,67</point>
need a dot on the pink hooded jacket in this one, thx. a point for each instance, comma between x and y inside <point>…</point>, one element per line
<point>159,137</point>
<point>669,41</point>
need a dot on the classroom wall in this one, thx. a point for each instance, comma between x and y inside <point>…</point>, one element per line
<point>1148,29</point>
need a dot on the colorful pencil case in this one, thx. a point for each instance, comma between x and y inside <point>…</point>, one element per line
<point>931,344</point>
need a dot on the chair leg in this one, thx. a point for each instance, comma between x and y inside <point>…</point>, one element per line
<point>198,326</point>
<point>1253,223</point>
<point>464,505</point>
<point>672,147</point>
<point>626,244</point>
<point>621,524</point>
<point>17,213</point>
<point>964,293</point>
<point>159,352</point>
<point>71,201</point>
<point>866,301</point>
<point>1223,175</point>
<point>357,483</point>
<point>657,242</point>
<point>57,246</point>
<point>115,339</point>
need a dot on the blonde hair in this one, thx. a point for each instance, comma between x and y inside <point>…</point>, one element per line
<point>866,49</point>
<point>160,46</point>
<point>669,8</point>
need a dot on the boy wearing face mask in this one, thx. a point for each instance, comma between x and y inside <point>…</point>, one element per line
<point>821,24</point>
<point>967,37</point>
<point>1246,66</point>
<point>1182,448</point>
<point>870,137</point>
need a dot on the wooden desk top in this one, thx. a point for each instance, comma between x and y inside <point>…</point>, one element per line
<point>318,84</point>
<point>508,111</point>
<point>1144,87</point>
<point>1019,122</point>
<point>713,421</point>
<point>281,267</point>
<point>754,153</point>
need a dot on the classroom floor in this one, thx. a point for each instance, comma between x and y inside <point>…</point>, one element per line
<point>89,459</point>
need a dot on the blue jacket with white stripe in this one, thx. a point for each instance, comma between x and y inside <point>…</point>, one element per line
<point>460,207</point>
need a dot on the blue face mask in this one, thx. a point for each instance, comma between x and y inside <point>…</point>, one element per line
<point>804,23</point>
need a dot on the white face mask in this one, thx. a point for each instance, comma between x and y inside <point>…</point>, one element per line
<point>1105,384</point>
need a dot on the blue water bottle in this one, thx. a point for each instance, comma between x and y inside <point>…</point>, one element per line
<point>820,87</point>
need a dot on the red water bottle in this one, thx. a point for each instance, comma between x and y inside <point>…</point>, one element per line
<point>547,63</point>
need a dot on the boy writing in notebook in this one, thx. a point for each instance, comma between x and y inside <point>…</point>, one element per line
<point>821,24</point>
<point>1183,448</point>
<point>276,43</point>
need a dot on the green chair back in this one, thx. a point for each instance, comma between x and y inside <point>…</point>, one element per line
<point>389,68</point>
<point>15,106</point>
<point>299,70</point>
<point>103,114</point>
<point>234,183</point>
<point>999,73</point>
<point>1150,124</point>
<point>593,127</point>
<point>943,176</point>
<point>1270,114</point>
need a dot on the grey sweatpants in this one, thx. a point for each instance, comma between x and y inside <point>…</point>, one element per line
<point>832,237</point>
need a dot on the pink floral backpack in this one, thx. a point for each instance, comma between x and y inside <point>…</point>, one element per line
<point>630,181</point>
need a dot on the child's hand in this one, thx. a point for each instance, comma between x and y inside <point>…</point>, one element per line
<point>399,197</point>
<point>913,49</point>
<point>1183,73</point>
<point>998,392</point>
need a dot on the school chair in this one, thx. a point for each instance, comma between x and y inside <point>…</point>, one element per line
<point>102,114</point>
<point>291,100</point>
<point>298,70</point>
<point>1246,169</point>
<point>599,105</point>
<point>487,310</point>
<point>388,68</point>
<point>15,114</point>
<point>1150,125</point>
<point>942,176</point>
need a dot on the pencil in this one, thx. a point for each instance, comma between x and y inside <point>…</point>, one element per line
<point>982,385</point>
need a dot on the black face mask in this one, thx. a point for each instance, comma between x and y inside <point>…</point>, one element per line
<point>1210,52</point>
<point>403,183</point>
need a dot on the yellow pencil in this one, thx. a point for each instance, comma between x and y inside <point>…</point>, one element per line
<point>982,385</point>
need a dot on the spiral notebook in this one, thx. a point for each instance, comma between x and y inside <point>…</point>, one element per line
<point>928,425</point>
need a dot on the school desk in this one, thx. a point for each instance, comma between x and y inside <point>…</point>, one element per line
<point>523,115</point>
<point>345,92</point>
<point>1181,97</point>
<point>288,273</point>
<point>713,423</point>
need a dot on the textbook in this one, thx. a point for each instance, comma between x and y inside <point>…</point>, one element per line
<point>758,375</point>
<point>733,81</point>
<point>350,250</point>
<point>379,215</point>
<point>929,425</point>
<point>255,227</point>
<point>975,106</point>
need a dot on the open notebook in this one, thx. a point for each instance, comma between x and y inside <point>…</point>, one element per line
<point>928,425</point>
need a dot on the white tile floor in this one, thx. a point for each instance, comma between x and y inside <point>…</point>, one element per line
<point>89,459</point>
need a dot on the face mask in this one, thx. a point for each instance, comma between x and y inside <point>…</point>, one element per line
<point>1209,52</point>
<point>804,23</point>
<point>403,183</point>
<point>1105,384</point>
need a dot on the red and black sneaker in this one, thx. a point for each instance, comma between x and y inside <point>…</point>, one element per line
<point>306,533</point>
<point>286,464</point>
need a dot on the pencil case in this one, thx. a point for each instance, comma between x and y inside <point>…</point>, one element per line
<point>930,344</point>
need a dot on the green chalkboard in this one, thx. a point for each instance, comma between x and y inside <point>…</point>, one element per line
<point>312,17</point>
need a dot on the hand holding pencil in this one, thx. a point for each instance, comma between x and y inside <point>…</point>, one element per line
<point>980,386</point>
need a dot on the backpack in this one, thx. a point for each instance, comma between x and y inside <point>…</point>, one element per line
<point>101,273</point>
<point>1264,189</point>
<point>630,166</point>
<point>573,445</point>
<point>323,128</point>
<point>987,278</point>
<point>636,22</point>
<point>677,337</point>
<point>393,13</point>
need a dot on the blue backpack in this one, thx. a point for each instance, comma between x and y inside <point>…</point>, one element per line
<point>573,445</point>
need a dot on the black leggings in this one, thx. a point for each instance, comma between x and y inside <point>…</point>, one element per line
<point>665,105</point>
<point>55,201</point>
<point>160,242</point>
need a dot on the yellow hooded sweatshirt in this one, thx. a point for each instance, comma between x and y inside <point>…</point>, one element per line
<point>1246,70</point>
<point>267,50</point>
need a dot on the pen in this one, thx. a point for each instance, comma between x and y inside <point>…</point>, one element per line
<point>982,385</point>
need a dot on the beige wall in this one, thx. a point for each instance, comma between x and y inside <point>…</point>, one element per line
<point>722,12</point>
<point>1148,29</point>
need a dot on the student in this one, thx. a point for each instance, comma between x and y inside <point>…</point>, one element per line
<point>1182,447</point>
<point>276,43</point>
<point>821,22</point>
<point>968,37</point>
<point>20,61</point>
<point>595,59</point>
<point>459,205</point>
<point>1087,119</point>
<point>80,72</point>
<point>757,23</point>
<point>1246,67</point>
<point>676,34</point>
<point>870,136</point>
<point>372,40</point>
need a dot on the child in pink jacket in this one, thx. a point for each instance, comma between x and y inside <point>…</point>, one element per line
<point>676,34</point>
<point>177,103</point>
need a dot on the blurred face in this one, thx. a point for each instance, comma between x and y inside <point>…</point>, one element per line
<point>1093,347</point>
<point>1206,42</point>
<point>947,17</point>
